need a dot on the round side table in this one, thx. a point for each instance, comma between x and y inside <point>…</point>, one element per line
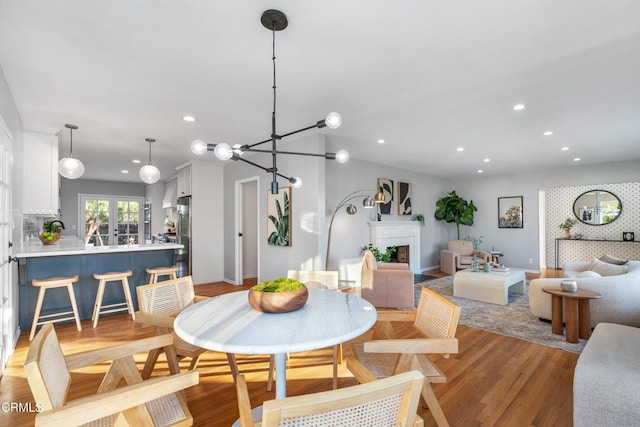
<point>578,315</point>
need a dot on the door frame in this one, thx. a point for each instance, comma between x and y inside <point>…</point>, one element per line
<point>9,330</point>
<point>113,211</point>
<point>239,278</point>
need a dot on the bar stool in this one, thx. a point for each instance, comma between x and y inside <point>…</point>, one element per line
<point>127,305</point>
<point>155,273</point>
<point>54,282</point>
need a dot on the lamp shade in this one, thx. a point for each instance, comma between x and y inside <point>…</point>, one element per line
<point>70,168</point>
<point>296,182</point>
<point>198,147</point>
<point>368,202</point>
<point>351,210</point>
<point>223,151</point>
<point>342,156</point>
<point>333,120</point>
<point>149,174</point>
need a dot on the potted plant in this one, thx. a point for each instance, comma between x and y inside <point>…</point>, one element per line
<point>379,255</point>
<point>566,227</point>
<point>281,295</point>
<point>420,219</point>
<point>453,208</point>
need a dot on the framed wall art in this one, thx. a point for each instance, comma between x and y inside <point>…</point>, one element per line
<point>385,186</point>
<point>279,217</point>
<point>510,212</point>
<point>404,198</point>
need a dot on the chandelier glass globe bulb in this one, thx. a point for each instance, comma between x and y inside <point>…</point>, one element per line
<point>295,182</point>
<point>70,168</point>
<point>198,147</point>
<point>342,156</point>
<point>223,151</point>
<point>333,120</point>
<point>149,174</point>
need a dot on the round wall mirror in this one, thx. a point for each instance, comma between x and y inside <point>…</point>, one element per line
<point>597,207</point>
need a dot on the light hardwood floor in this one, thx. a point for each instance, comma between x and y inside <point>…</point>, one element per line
<point>493,380</point>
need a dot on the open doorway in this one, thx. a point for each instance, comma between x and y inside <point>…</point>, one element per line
<point>247,229</point>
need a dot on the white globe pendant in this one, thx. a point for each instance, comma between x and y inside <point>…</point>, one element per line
<point>149,174</point>
<point>70,168</point>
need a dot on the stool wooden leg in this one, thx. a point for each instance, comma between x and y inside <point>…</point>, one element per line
<point>36,314</point>
<point>127,297</point>
<point>153,278</point>
<point>72,297</point>
<point>98,303</point>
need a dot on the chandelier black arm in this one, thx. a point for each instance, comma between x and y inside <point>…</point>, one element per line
<point>319,124</point>
<point>268,170</point>
<point>330,156</point>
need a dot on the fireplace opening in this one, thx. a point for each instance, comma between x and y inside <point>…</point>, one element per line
<point>401,254</point>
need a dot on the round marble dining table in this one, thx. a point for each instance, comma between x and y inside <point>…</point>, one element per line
<point>228,324</point>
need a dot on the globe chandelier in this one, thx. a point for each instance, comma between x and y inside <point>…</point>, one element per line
<point>70,167</point>
<point>149,173</point>
<point>273,20</point>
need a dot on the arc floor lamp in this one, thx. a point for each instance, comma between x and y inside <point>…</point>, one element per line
<point>273,20</point>
<point>368,202</point>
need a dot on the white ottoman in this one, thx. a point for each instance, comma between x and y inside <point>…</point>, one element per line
<point>490,287</point>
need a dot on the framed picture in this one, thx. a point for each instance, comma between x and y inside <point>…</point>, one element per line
<point>587,215</point>
<point>510,212</point>
<point>279,217</point>
<point>385,186</point>
<point>404,198</point>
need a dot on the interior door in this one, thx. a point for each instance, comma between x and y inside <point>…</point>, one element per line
<point>111,220</point>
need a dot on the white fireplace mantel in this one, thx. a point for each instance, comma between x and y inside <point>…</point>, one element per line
<point>398,233</point>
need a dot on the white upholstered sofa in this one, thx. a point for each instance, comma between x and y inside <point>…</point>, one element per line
<point>620,301</point>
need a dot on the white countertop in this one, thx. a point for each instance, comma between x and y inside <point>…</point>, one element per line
<point>72,245</point>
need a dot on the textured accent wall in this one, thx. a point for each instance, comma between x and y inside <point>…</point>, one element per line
<point>559,206</point>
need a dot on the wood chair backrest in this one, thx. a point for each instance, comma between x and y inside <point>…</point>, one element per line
<point>168,297</point>
<point>436,316</point>
<point>46,369</point>
<point>391,402</point>
<point>315,278</point>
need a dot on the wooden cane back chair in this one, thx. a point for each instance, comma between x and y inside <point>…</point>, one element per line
<point>159,304</point>
<point>155,402</point>
<point>389,402</point>
<point>436,319</point>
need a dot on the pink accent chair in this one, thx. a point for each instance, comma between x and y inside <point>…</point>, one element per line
<point>458,256</point>
<point>387,284</point>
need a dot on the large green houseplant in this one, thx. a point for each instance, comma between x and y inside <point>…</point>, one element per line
<point>453,208</point>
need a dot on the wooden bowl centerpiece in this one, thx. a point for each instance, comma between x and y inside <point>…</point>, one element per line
<point>281,295</point>
<point>49,238</point>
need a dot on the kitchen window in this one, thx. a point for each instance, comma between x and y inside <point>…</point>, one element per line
<point>112,220</point>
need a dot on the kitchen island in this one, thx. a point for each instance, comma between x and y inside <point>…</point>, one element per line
<point>70,256</point>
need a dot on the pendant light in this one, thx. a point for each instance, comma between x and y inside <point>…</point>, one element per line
<point>149,173</point>
<point>69,167</point>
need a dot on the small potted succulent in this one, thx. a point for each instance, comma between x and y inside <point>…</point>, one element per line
<point>566,227</point>
<point>281,295</point>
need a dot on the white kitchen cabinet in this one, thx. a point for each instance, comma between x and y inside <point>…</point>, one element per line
<point>40,174</point>
<point>184,181</point>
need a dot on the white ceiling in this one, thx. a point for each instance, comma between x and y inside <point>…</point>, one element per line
<point>427,76</point>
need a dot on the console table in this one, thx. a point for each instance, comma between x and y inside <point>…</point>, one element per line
<point>591,242</point>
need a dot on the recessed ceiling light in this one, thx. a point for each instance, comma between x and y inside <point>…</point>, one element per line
<point>460,149</point>
<point>577,159</point>
<point>548,133</point>
<point>518,107</point>
<point>188,118</point>
<point>480,171</point>
<point>487,160</point>
<point>124,171</point>
<point>564,148</point>
<point>135,161</point>
<point>381,141</point>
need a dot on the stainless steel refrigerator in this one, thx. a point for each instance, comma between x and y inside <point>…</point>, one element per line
<point>183,234</point>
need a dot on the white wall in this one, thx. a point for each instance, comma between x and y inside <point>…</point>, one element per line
<point>307,208</point>
<point>520,245</point>
<point>351,232</point>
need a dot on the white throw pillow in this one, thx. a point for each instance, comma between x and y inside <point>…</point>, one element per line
<point>606,269</point>
<point>613,260</point>
<point>588,274</point>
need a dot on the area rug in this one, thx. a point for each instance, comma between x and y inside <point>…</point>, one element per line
<point>417,278</point>
<point>513,320</point>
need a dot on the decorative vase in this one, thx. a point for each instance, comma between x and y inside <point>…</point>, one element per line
<point>278,302</point>
<point>569,285</point>
<point>566,234</point>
